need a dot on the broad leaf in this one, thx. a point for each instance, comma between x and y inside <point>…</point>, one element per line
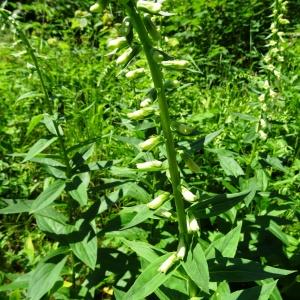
<point>226,245</point>
<point>50,194</point>
<point>230,166</point>
<point>143,213</point>
<point>44,276</point>
<point>86,249</point>
<point>38,147</point>
<point>259,292</point>
<point>196,267</point>
<point>78,188</point>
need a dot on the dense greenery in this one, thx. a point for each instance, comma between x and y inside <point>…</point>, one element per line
<point>216,81</point>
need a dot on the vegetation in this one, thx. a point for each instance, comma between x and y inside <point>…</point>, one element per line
<point>149,149</point>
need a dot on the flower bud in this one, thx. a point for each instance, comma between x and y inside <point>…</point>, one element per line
<point>171,84</point>
<point>135,73</point>
<point>158,201</point>
<point>188,195</point>
<point>192,224</point>
<point>140,113</point>
<point>127,55</point>
<point>175,64</point>
<point>282,20</point>
<point>149,165</point>
<point>168,263</point>
<point>116,43</point>
<point>277,74</point>
<point>280,58</point>
<point>272,43</point>
<point>273,94</point>
<point>95,8</point>
<point>146,102</point>
<point>150,143</point>
<point>263,136</point>
<point>148,6</point>
<point>266,85</point>
<point>270,67</point>
<point>263,123</point>
<point>165,214</point>
<point>262,97</point>
<point>181,250</point>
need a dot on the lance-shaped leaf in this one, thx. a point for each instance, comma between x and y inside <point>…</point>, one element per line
<point>44,276</point>
<point>196,267</point>
<point>242,270</point>
<point>215,205</point>
<point>149,280</point>
<point>226,245</point>
<point>50,194</point>
<point>38,147</point>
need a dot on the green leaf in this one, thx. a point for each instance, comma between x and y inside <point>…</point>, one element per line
<point>211,136</point>
<point>86,250</point>
<point>242,270</point>
<point>196,267</point>
<point>44,276</point>
<point>78,188</point>
<point>50,220</point>
<point>134,191</point>
<point>286,239</point>
<point>258,292</point>
<point>222,292</point>
<point>38,147</point>
<point>21,282</point>
<point>142,249</point>
<point>149,280</point>
<point>143,213</point>
<point>33,123</point>
<point>16,206</point>
<point>51,193</point>
<point>226,245</point>
<point>215,205</point>
<point>230,166</point>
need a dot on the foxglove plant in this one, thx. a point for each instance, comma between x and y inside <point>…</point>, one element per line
<point>189,261</point>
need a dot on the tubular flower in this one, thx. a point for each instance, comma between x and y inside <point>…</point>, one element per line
<point>192,225</point>
<point>146,102</point>
<point>125,56</point>
<point>135,73</point>
<point>95,7</point>
<point>149,165</point>
<point>175,64</point>
<point>188,195</point>
<point>150,143</point>
<point>148,6</point>
<point>140,113</point>
<point>116,43</point>
<point>262,97</point>
<point>158,201</point>
<point>181,250</point>
<point>168,263</point>
<point>263,136</point>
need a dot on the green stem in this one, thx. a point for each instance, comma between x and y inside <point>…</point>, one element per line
<point>158,81</point>
<point>47,99</point>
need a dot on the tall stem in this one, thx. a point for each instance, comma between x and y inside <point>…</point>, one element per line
<point>47,100</point>
<point>157,77</point>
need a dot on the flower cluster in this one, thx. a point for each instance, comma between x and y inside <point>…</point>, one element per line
<point>272,64</point>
